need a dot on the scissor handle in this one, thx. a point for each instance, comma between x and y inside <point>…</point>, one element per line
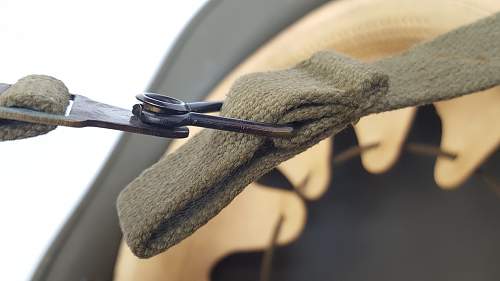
<point>213,122</point>
<point>238,125</point>
<point>205,106</point>
<point>169,112</point>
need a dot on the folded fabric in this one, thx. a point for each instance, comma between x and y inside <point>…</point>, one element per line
<point>38,92</point>
<point>320,97</point>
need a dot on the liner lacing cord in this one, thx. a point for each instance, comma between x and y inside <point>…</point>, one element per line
<point>421,149</point>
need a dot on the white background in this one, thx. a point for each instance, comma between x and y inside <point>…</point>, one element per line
<point>106,50</point>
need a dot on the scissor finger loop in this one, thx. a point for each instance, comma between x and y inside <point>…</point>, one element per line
<point>166,111</point>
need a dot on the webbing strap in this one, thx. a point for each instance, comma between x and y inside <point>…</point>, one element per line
<point>38,92</point>
<point>321,96</point>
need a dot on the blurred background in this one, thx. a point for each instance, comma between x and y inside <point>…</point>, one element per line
<point>106,50</point>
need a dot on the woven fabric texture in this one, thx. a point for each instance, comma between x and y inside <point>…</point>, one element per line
<point>320,96</point>
<point>38,92</point>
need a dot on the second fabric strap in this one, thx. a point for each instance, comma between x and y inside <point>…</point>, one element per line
<point>320,96</point>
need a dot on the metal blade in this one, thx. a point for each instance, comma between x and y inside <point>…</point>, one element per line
<point>88,113</point>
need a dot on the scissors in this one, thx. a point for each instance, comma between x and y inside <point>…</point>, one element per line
<point>156,115</point>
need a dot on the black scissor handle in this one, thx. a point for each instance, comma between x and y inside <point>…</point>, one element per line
<point>171,106</point>
<point>169,112</point>
<point>214,122</point>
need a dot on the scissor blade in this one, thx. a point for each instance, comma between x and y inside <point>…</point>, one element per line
<point>88,113</point>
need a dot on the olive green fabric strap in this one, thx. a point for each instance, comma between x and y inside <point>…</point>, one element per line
<point>321,96</point>
<point>38,92</point>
